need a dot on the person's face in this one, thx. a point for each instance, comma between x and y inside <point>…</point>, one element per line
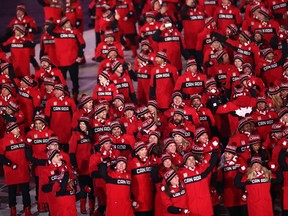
<point>178,138</point>
<point>45,64</point>
<point>193,69</point>
<point>285,118</point>
<point>284,93</point>
<point>67,25</point>
<point>228,156</point>
<point>19,13</point>
<point>261,17</point>
<point>112,55</point>
<point>38,125</point>
<point>203,138</point>
<point>88,105</point>
<point>278,135</point>
<point>238,63</point>
<point>261,106</point>
<point>152,109</point>
<point>116,131</point>
<point>157,5</point>
<point>177,100</point>
<point>225,2</point>
<point>159,61</point>
<point>107,145</point>
<point>171,148</point>
<point>257,167</point>
<point>196,103</point>
<point>256,146</point>
<point>242,39</point>
<point>216,44</point>
<point>144,48</point>
<point>247,127</point>
<point>142,152</point>
<point>58,93</point>
<point>225,58</point>
<point>5,72</point>
<point>247,70</point>
<point>16,131</point>
<point>9,111</point>
<point>109,40</point>
<point>153,139</point>
<point>53,146</point>
<point>149,19</point>
<point>82,126</point>
<point>191,162</point>
<point>23,84</point>
<point>257,37</point>
<point>102,79</point>
<point>49,88</point>
<point>17,33</point>
<point>129,113</point>
<point>118,103</point>
<point>270,56</point>
<point>57,159</point>
<point>167,163</point>
<point>177,118</point>
<point>121,166</point>
<point>102,115</point>
<point>175,180</point>
<point>5,92</point>
<point>147,115</point>
<point>120,69</point>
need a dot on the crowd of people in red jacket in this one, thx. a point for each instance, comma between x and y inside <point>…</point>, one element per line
<point>182,143</point>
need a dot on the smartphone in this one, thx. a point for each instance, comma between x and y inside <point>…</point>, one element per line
<point>168,25</point>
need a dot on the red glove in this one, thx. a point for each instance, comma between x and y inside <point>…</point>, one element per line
<point>284,144</point>
<point>185,211</point>
<point>215,142</point>
<point>242,169</point>
<point>273,166</point>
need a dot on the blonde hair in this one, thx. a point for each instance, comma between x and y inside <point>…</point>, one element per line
<point>185,144</point>
<point>277,102</point>
<point>252,175</point>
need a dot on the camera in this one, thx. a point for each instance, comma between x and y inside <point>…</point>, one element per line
<point>168,25</point>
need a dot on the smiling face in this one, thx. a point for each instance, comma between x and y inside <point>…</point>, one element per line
<point>171,148</point>
<point>38,124</point>
<point>190,162</point>
<point>121,166</point>
<point>142,152</point>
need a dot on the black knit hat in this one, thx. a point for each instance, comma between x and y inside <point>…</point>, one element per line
<point>11,126</point>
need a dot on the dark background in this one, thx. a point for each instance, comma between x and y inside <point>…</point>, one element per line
<point>34,9</point>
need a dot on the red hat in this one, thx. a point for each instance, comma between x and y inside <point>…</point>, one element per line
<point>40,117</point>
<point>247,65</point>
<point>199,132</point>
<point>147,124</point>
<point>277,128</point>
<point>195,96</point>
<point>150,14</point>
<point>121,158</point>
<point>165,157</point>
<point>256,159</point>
<point>169,175</point>
<point>20,28</point>
<point>284,85</point>
<point>231,148</point>
<point>115,65</point>
<point>8,87</point>
<point>155,133</point>
<point>4,66</point>
<point>285,133</point>
<point>46,59</point>
<point>59,87</point>
<point>285,66</point>
<point>129,106</point>
<point>244,77</point>
<point>239,56</point>
<point>238,89</point>
<point>105,74</point>
<point>108,33</point>
<point>210,81</point>
<point>119,97</point>
<point>264,12</point>
<point>246,34</point>
<point>107,14</point>
<point>48,81</point>
<point>141,56</point>
<point>282,112</point>
<point>112,48</point>
<point>176,93</point>
<point>141,111</point>
<point>28,80</point>
<point>13,106</point>
<point>84,99</point>
<point>191,62</point>
<point>273,89</point>
<point>152,103</point>
<point>63,20</point>
<point>145,42</point>
<point>99,108</point>
<point>253,139</point>
<point>196,150</point>
<point>139,145</point>
<point>162,54</point>
<point>266,51</point>
<point>84,119</point>
<point>260,99</point>
<point>220,54</point>
<point>11,126</point>
<point>103,139</point>
<point>51,153</point>
<point>48,22</point>
<point>244,121</point>
<point>233,28</point>
<point>52,139</point>
<point>180,132</point>
<point>254,8</point>
<point>167,142</point>
<point>21,7</point>
<point>115,124</point>
<point>209,20</point>
<point>179,112</point>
